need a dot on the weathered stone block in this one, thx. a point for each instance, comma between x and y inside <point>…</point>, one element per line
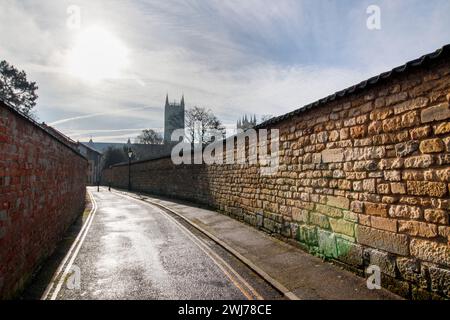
<point>432,146</point>
<point>406,148</point>
<point>420,132</point>
<point>250,219</point>
<point>369,185</point>
<point>410,270</point>
<point>375,127</point>
<point>338,202</point>
<point>300,215</point>
<point>319,220</point>
<point>357,206</point>
<point>327,244</point>
<point>423,161</point>
<point>436,216</point>
<point>440,280</point>
<point>383,240</point>
<point>383,223</point>
<point>384,260</point>
<point>344,133</point>
<point>392,175</point>
<point>446,141</point>
<point>332,155</point>
<point>444,232</point>
<point>308,235</point>
<point>417,228</point>
<point>272,225</point>
<point>443,159</point>
<point>399,287</point>
<point>372,153</point>
<point>371,165</point>
<point>436,113</point>
<point>329,211</point>
<point>405,211</point>
<point>237,212</point>
<point>375,209</point>
<point>398,188</point>
<point>395,98</point>
<point>421,188</point>
<point>342,226</point>
<point>431,251</point>
<point>358,132</point>
<point>259,219</point>
<point>389,164</point>
<point>410,105</point>
<point>349,252</point>
<point>274,216</point>
<point>317,158</point>
<point>286,229</point>
<point>442,128</point>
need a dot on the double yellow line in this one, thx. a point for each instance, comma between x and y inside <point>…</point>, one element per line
<point>61,273</point>
<point>247,290</point>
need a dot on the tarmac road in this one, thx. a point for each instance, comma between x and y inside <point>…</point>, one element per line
<point>130,249</point>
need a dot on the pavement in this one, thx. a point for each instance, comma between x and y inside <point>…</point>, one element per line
<point>295,273</point>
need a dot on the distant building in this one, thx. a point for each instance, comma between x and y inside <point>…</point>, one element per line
<point>94,159</point>
<point>246,123</point>
<point>173,118</point>
<point>140,151</point>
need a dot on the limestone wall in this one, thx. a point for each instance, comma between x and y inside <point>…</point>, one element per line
<point>363,179</point>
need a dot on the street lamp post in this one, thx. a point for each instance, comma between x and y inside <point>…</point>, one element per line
<point>130,154</point>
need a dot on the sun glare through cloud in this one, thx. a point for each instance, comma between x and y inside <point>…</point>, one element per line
<point>97,55</point>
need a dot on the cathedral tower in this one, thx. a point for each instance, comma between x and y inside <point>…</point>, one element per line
<point>173,118</point>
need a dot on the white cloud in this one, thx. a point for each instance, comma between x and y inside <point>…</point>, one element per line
<point>253,56</point>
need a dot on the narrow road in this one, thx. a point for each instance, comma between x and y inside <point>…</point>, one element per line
<point>130,249</point>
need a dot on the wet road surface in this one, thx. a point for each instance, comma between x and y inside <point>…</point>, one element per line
<point>133,250</point>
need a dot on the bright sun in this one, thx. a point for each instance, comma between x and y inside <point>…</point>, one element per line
<point>97,55</point>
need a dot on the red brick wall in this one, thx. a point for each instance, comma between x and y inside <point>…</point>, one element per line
<point>42,191</point>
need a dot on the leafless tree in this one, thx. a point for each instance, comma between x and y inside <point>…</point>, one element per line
<point>200,122</point>
<point>149,136</point>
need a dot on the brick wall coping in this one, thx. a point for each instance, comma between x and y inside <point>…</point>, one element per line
<point>39,126</point>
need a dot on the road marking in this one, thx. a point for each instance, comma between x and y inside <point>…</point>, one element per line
<point>274,283</point>
<point>216,258</point>
<point>75,248</point>
<point>250,293</point>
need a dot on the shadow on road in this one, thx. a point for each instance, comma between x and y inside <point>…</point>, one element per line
<point>43,275</point>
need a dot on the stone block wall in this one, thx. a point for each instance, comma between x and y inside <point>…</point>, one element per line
<point>42,191</point>
<point>363,180</point>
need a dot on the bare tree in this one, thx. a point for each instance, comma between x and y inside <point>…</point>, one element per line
<point>149,136</point>
<point>16,90</point>
<point>200,122</point>
<point>113,156</point>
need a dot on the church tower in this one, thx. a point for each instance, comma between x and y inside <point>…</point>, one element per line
<point>173,118</point>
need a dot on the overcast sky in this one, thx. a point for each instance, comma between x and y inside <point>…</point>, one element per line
<point>108,77</point>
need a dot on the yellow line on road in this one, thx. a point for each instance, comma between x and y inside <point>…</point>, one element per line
<point>73,252</point>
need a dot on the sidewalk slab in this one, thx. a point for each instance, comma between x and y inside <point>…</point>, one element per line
<point>305,275</point>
